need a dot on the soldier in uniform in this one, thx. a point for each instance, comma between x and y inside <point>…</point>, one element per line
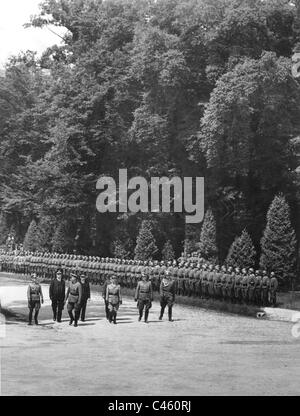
<point>210,281</point>
<point>265,289</point>
<point>224,275</point>
<point>144,295</point>
<point>204,282</point>
<point>35,298</point>
<point>167,295</point>
<point>229,285</point>
<point>244,284</point>
<point>198,277</point>
<point>180,280</point>
<point>113,298</point>
<point>86,295</point>
<point>273,285</point>
<point>104,288</point>
<point>238,285</point>
<point>57,296</point>
<point>73,297</point>
<point>252,281</point>
<point>258,287</point>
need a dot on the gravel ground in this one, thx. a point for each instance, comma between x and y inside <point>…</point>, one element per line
<point>200,353</point>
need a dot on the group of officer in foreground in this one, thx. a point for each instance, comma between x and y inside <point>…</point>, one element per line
<point>189,276</point>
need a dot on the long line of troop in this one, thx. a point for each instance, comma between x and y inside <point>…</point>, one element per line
<point>192,277</point>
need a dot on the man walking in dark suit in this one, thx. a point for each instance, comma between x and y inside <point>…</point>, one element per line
<point>57,295</point>
<point>86,295</point>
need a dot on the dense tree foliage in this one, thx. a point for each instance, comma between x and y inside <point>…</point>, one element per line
<point>162,88</point>
<point>208,238</point>
<point>279,247</point>
<point>145,248</point>
<point>242,252</point>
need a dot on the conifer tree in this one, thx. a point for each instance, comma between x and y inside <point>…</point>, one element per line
<point>208,238</point>
<point>167,251</point>
<point>44,235</point>
<point>241,252</point>
<point>278,244</point>
<point>30,240</point>
<point>145,248</point>
<point>60,238</point>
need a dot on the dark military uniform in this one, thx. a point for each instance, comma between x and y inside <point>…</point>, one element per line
<point>114,299</point>
<point>273,285</point>
<point>57,296</point>
<point>73,296</point>
<point>86,294</point>
<point>35,298</point>
<point>167,297</point>
<point>144,298</point>
<point>265,290</point>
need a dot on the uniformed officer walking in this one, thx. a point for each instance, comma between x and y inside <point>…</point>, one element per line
<point>73,297</point>
<point>57,291</point>
<point>167,295</point>
<point>113,298</point>
<point>35,298</point>
<point>144,295</point>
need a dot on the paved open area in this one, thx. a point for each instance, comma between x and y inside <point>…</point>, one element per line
<point>200,353</point>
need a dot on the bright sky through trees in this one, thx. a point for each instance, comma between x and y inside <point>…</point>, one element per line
<point>14,37</point>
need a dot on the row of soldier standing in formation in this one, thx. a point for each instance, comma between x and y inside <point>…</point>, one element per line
<point>192,277</point>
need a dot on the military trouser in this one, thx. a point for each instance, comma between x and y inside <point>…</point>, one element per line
<point>180,290</point>
<point>204,290</point>
<point>144,304</point>
<point>211,291</point>
<point>245,293</point>
<point>82,309</point>
<point>224,292</point>
<point>34,305</point>
<point>238,293</point>
<point>198,291</point>
<point>166,301</point>
<point>257,296</point>
<point>273,297</point>
<point>218,291</point>
<point>230,293</point>
<point>264,296</point>
<point>57,308</point>
<point>76,306</point>
<point>251,294</point>
<point>106,309</point>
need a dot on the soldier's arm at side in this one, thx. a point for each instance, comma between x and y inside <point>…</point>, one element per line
<point>80,293</point>
<point>151,292</point>
<point>89,291</point>
<point>51,290</point>
<point>120,295</point>
<point>106,294</point>
<point>160,289</point>
<point>137,291</point>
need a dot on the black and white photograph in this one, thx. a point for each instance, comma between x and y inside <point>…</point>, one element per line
<point>149,200</point>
